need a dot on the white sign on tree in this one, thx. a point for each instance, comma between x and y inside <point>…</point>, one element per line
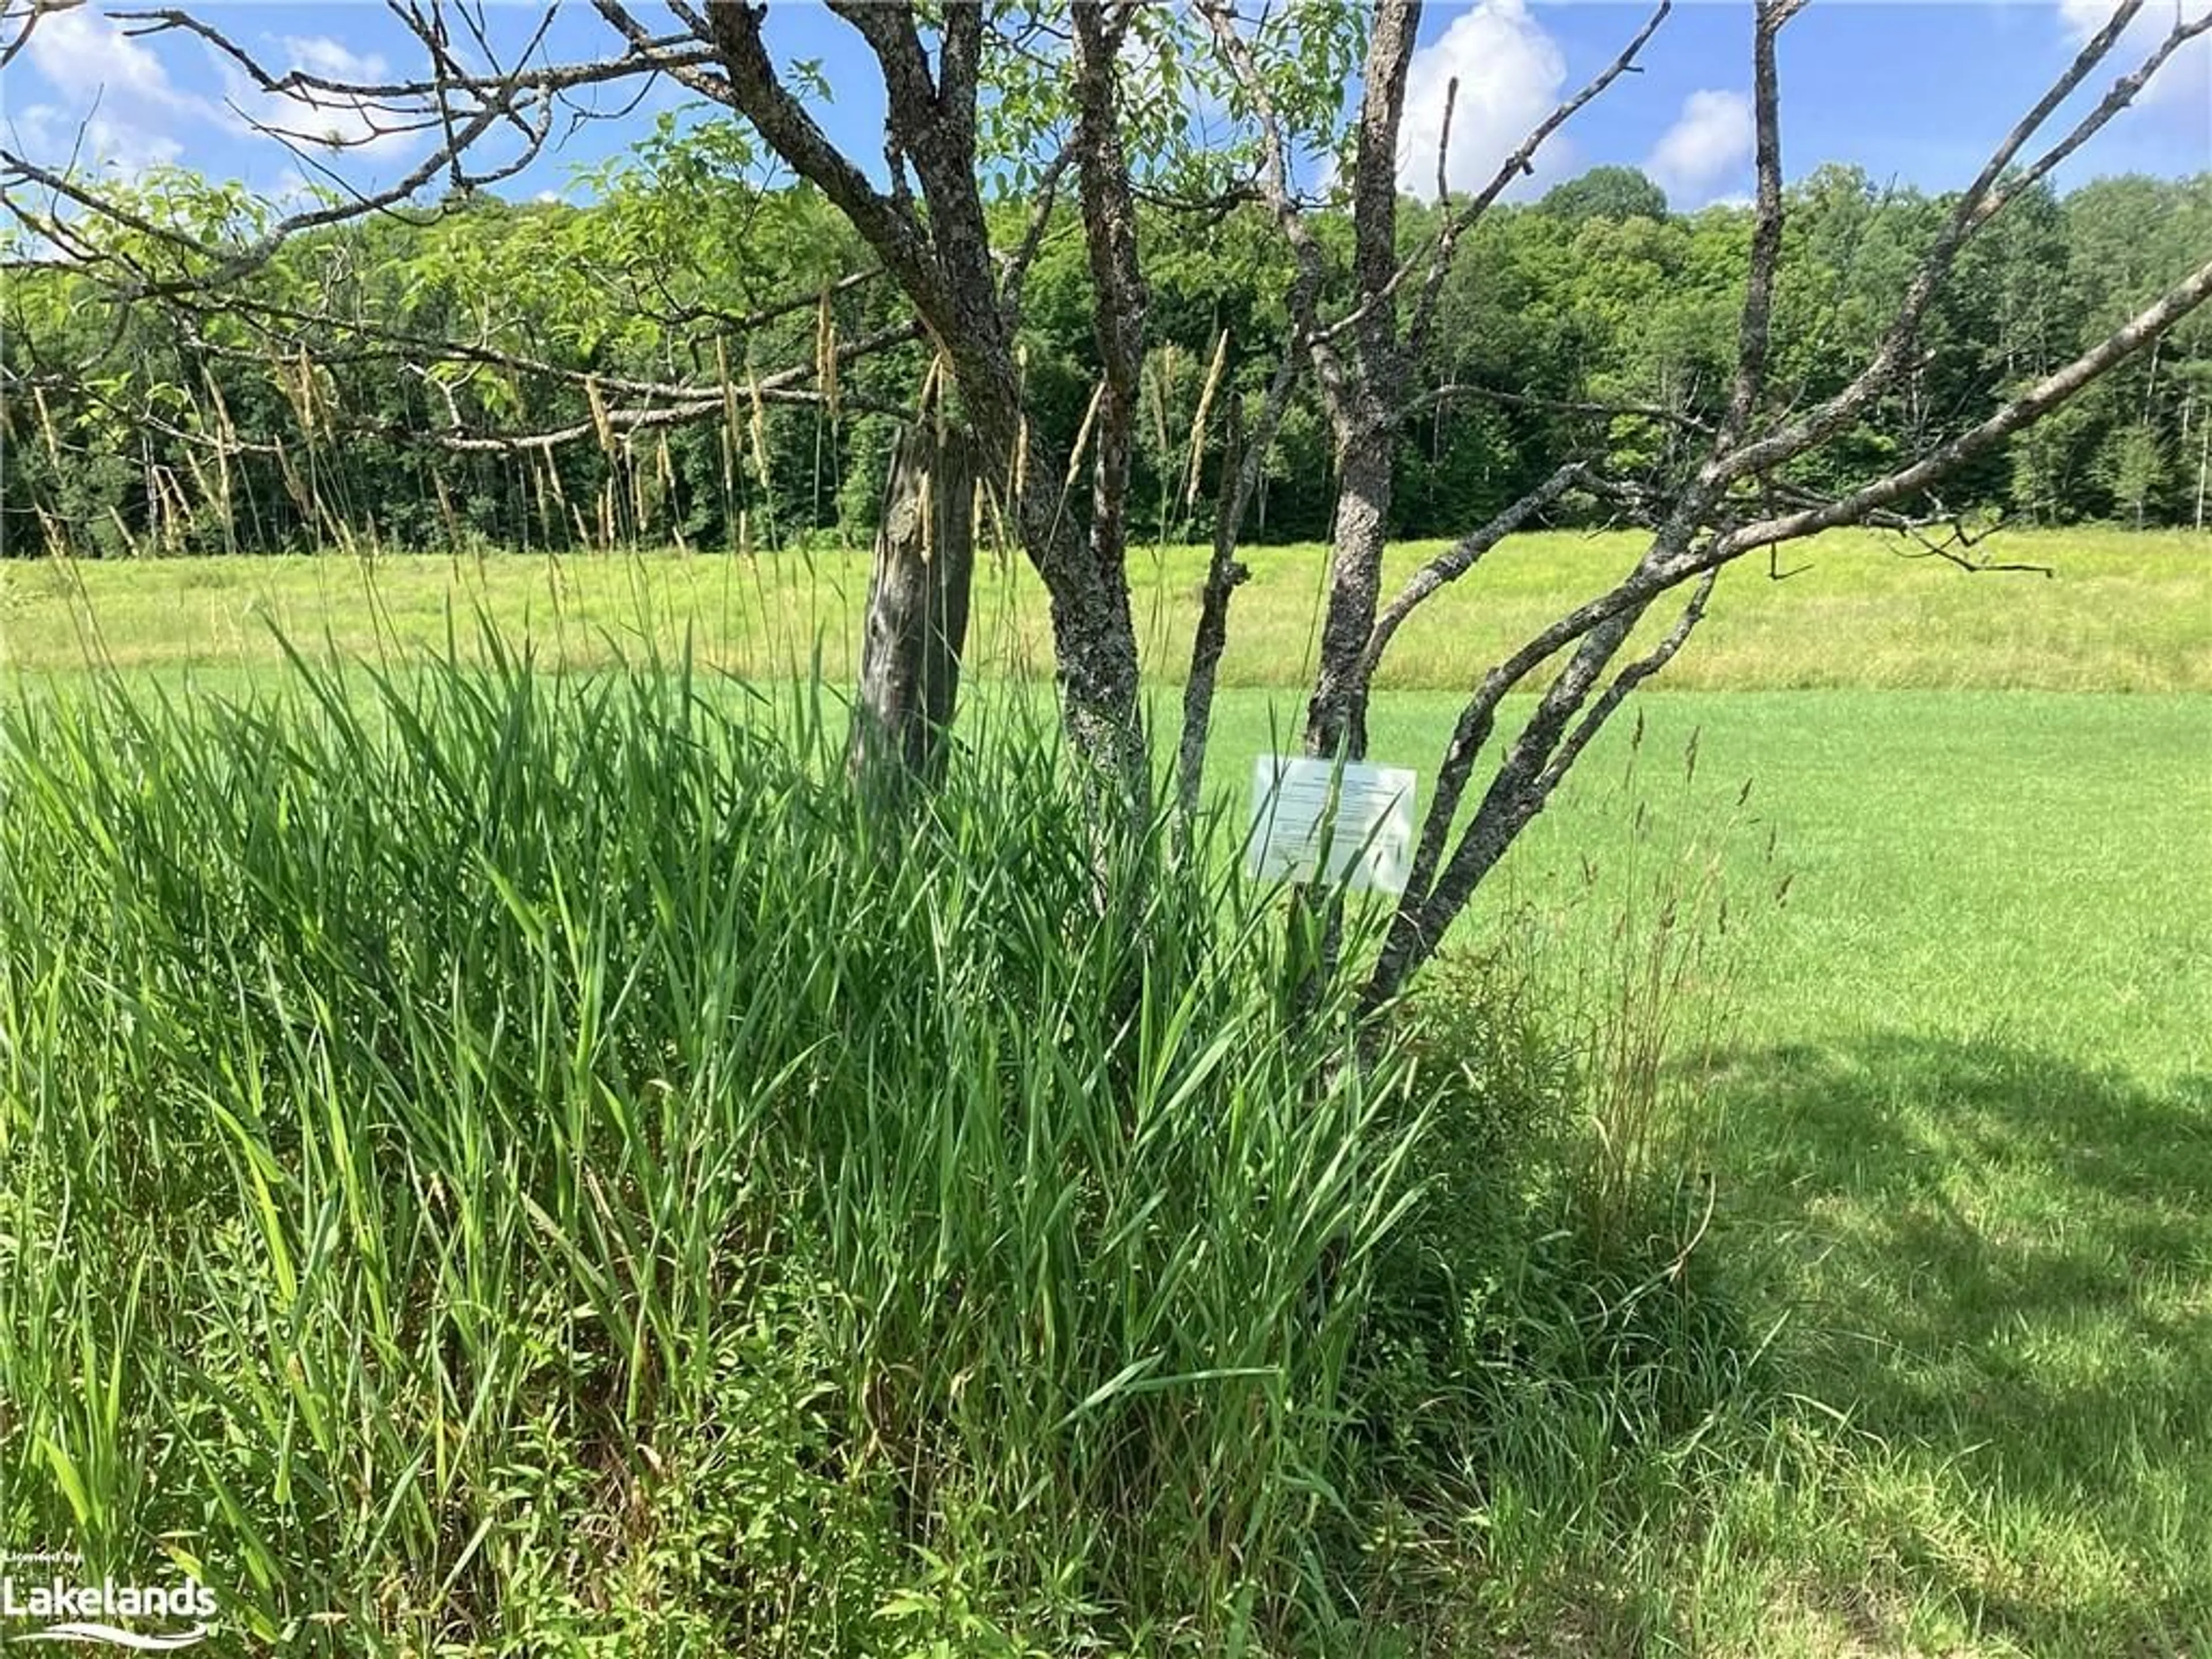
<point>1363,813</point>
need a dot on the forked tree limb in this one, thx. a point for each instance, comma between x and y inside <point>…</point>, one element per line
<point>2031,405</point>
<point>1533,769</point>
<point>1703,531</point>
<point>1360,358</point>
<point>1990,192</point>
<point>1462,556</point>
<point>1463,218</point>
<point>1439,887</point>
<point>1555,770</point>
<point>760,95</point>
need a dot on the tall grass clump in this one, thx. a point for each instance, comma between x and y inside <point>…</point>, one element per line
<point>512,1163</point>
<point>1651,983</point>
<point>1570,1353</point>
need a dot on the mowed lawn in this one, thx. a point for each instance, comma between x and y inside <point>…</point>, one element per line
<point>1963,1097</point>
<point>1962,1077</point>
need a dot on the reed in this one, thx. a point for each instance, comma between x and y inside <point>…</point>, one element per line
<point>517,1160</point>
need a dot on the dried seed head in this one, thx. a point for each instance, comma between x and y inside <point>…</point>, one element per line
<point>599,421</point>
<point>1198,421</point>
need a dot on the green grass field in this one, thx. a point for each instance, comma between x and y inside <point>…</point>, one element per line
<point>1965,1101</point>
<point>1950,1055</point>
<point>1962,1088</point>
<point>2121,613</point>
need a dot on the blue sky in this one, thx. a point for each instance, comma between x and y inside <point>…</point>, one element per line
<point>1913,93</point>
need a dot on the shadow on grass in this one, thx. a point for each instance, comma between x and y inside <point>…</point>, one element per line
<point>2005,1262</point>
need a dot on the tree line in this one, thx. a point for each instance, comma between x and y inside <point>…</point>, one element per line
<point>493,374</point>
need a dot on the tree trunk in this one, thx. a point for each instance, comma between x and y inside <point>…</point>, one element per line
<point>2204,468</point>
<point>1223,575</point>
<point>917,618</point>
<point>1336,715</point>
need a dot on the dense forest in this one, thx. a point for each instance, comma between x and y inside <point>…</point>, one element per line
<point>649,368</point>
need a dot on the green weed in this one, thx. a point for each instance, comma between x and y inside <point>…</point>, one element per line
<point>529,1162</point>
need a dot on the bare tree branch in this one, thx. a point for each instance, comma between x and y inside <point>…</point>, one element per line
<point>29,16</point>
<point>1364,390</point>
<point>1627,680</point>
<point>1224,575</point>
<point>1598,628</point>
<point>1016,275</point>
<point>1461,557</point>
<point>1766,226</point>
<point>1450,391</point>
<point>1463,219</point>
<point>666,53</point>
<point>467,106</point>
<point>1275,187</point>
<point>763,98</point>
<point>1976,205</point>
<point>2037,401</point>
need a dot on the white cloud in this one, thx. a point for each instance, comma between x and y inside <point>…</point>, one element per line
<point>35,129</point>
<point>127,149</point>
<point>115,104</point>
<point>82,54</point>
<point>1511,73</point>
<point>2184,82</point>
<point>42,132</point>
<point>1707,147</point>
<point>122,103</point>
<point>332,59</point>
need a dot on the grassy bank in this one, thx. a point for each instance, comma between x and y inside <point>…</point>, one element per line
<point>2121,612</point>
